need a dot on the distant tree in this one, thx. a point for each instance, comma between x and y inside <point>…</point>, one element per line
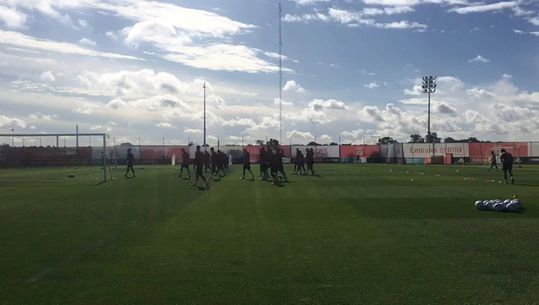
<point>333,144</point>
<point>387,140</point>
<point>450,140</point>
<point>433,138</point>
<point>473,140</point>
<point>260,142</point>
<point>415,138</point>
<point>273,142</point>
<point>312,143</point>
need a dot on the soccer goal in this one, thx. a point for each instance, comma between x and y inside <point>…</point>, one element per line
<point>55,156</point>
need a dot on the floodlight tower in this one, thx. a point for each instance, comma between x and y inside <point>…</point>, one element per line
<point>429,86</point>
<point>280,76</point>
<point>204,140</point>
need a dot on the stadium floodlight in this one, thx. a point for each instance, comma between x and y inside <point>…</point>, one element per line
<point>204,140</point>
<point>429,87</point>
<point>12,137</point>
<point>280,75</point>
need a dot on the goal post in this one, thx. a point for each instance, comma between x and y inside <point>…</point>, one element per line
<point>56,138</point>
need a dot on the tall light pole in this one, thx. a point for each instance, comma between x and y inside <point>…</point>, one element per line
<point>204,140</point>
<point>12,137</point>
<point>280,77</point>
<point>429,86</point>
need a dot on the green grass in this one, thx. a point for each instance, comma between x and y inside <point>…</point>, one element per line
<point>358,234</point>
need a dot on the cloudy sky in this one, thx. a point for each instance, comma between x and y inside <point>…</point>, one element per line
<point>351,68</point>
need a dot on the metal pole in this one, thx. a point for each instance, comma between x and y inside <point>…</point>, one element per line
<point>77,138</point>
<point>57,141</point>
<point>104,158</point>
<point>204,141</point>
<point>12,137</point>
<point>280,78</point>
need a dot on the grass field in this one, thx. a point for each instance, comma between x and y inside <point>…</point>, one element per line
<point>358,234</point>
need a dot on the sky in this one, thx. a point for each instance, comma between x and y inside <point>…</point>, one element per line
<point>351,69</point>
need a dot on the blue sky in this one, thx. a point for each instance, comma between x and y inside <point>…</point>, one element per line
<point>352,68</point>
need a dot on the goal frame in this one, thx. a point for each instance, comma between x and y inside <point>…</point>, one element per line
<point>76,135</point>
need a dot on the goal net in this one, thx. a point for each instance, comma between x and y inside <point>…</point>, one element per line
<point>80,158</point>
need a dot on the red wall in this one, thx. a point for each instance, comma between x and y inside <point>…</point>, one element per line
<point>480,152</point>
<point>351,151</point>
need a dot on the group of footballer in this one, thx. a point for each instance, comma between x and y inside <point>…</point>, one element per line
<point>271,164</point>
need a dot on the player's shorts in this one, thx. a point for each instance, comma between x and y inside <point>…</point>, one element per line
<point>199,170</point>
<point>246,166</point>
<point>185,165</point>
<point>508,167</point>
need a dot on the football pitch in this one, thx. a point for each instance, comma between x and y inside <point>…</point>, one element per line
<point>357,234</point>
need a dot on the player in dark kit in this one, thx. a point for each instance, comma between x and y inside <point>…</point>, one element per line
<point>207,161</point>
<point>185,164</point>
<point>263,161</point>
<point>507,165</point>
<point>309,158</point>
<point>493,161</point>
<point>277,166</point>
<point>296,163</point>
<point>247,164</point>
<point>300,159</point>
<point>199,168</point>
<point>224,163</point>
<point>214,163</point>
<point>130,160</point>
<point>221,162</point>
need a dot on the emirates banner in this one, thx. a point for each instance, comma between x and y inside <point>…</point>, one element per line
<point>427,150</point>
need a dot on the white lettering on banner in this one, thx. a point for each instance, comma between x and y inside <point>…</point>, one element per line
<point>425,150</point>
<point>320,152</point>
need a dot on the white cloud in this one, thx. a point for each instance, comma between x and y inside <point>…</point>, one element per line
<point>87,42</point>
<point>47,76</point>
<point>392,2</point>
<point>309,2</point>
<point>193,131</point>
<point>240,122</point>
<point>375,11</point>
<point>481,8</point>
<point>357,19</point>
<point>325,139</point>
<point>83,23</point>
<point>283,102</point>
<point>12,18</point>
<point>24,41</point>
<point>332,104</point>
<point>479,59</point>
<point>7,122</point>
<point>225,57</point>
<point>165,125</point>
<point>292,86</point>
<point>402,25</point>
<point>295,134</point>
<point>371,85</point>
<point>131,84</point>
